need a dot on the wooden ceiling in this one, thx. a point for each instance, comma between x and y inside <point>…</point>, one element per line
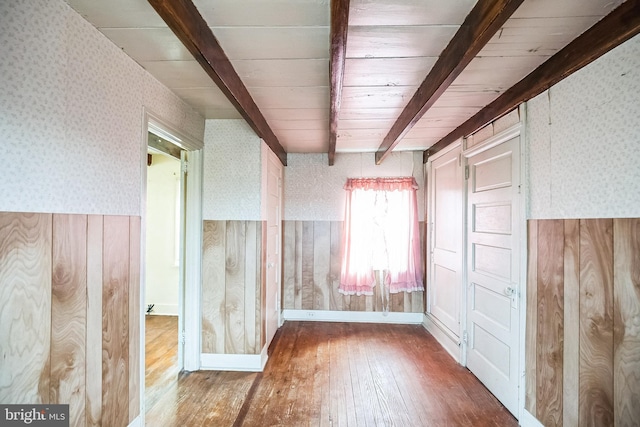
<point>320,76</point>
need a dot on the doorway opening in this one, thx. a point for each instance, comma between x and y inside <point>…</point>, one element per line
<point>163,287</point>
<point>170,322</point>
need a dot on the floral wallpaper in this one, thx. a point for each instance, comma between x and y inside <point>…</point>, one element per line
<point>584,141</point>
<point>232,171</point>
<point>313,190</point>
<point>71,114</point>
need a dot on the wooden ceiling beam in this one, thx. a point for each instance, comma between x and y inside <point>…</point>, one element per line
<point>188,25</point>
<point>484,20</point>
<point>614,29</point>
<point>339,29</point>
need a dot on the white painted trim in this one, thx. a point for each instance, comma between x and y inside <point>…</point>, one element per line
<point>164,310</point>
<point>159,126</point>
<point>493,141</point>
<point>352,316</point>
<point>445,150</point>
<point>524,200</point>
<point>528,420</point>
<point>234,362</point>
<point>444,336</point>
<point>193,262</point>
<point>137,422</point>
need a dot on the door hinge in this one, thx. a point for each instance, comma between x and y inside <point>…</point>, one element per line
<point>183,337</point>
<point>465,337</point>
<point>185,167</point>
<point>466,172</point>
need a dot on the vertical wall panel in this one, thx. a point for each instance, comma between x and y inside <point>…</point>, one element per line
<point>68,314</point>
<point>312,262</point>
<point>596,322</point>
<point>532,318</point>
<point>626,356</point>
<point>549,362</point>
<point>93,359</point>
<point>335,263</point>
<point>134,317</point>
<point>321,265</point>
<point>307,266</point>
<point>288,264</point>
<point>234,288</point>
<point>600,381</point>
<point>25,307</point>
<point>261,256</point>
<point>251,272</point>
<point>571,371</point>
<point>297,294</point>
<point>213,286</point>
<point>115,326</point>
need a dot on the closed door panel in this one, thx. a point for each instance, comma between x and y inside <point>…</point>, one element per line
<point>493,270</point>
<point>445,282</point>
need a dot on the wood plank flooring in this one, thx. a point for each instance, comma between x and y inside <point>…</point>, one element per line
<point>322,374</point>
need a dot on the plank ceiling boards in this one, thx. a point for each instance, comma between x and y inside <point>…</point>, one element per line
<point>280,49</point>
<point>535,32</point>
<point>391,47</point>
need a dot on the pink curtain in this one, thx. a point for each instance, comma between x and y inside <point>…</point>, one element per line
<point>381,233</point>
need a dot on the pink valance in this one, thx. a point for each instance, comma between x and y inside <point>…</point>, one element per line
<point>381,184</point>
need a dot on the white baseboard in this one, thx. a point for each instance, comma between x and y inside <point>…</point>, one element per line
<point>528,420</point>
<point>352,316</point>
<point>234,362</point>
<point>446,339</point>
<point>165,310</point>
<point>137,422</point>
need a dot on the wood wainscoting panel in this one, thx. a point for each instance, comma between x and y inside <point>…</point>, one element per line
<point>93,358</point>
<point>311,273</point>
<point>69,321</point>
<point>25,307</point>
<point>626,328</point>
<point>596,322</point>
<point>235,288</point>
<point>531,319</point>
<point>213,274</point>
<point>134,316</point>
<point>115,325</point>
<point>69,314</point>
<point>588,347</point>
<point>571,339</point>
<point>550,316</point>
<point>232,287</point>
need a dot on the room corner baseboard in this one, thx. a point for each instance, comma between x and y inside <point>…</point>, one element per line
<point>137,422</point>
<point>234,362</point>
<point>447,340</point>
<point>528,420</point>
<point>352,316</point>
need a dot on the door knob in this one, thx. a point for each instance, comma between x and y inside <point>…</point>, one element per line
<point>509,291</point>
<point>271,265</point>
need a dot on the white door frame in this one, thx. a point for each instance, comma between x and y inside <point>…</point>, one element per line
<point>503,136</point>
<point>190,250</point>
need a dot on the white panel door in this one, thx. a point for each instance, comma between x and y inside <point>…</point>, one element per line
<point>447,188</point>
<point>274,205</point>
<point>493,270</point>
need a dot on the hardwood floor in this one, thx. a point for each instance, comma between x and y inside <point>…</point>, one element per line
<point>327,374</point>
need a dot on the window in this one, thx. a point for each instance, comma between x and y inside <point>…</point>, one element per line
<point>381,234</point>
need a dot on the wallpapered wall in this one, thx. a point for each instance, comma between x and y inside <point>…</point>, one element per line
<point>71,114</point>
<point>313,191</point>
<point>232,171</point>
<point>584,141</point>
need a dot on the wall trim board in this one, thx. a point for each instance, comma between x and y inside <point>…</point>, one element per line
<point>352,316</point>
<point>445,338</point>
<point>528,420</point>
<point>234,362</point>
<point>137,422</point>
